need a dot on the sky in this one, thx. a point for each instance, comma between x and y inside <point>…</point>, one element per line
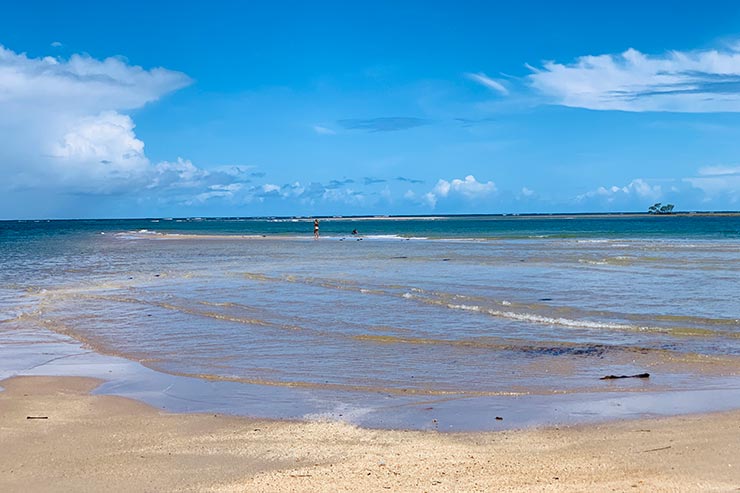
<point>220,108</point>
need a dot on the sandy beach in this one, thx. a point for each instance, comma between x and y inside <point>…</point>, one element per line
<point>57,437</point>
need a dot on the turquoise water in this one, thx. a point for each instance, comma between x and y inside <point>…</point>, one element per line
<point>714,226</point>
<point>407,312</point>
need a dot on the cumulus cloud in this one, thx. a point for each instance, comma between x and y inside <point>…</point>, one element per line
<point>638,188</point>
<point>711,187</point>
<point>488,82</point>
<point>178,174</point>
<point>101,149</point>
<point>468,189</point>
<point>689,81</point>
<point>62,124</point>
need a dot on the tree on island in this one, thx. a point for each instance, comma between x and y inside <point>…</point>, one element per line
<point>658,208</point>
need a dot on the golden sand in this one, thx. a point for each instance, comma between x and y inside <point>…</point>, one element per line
<point>81,442</point>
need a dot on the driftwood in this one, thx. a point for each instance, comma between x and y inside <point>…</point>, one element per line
<point>614,377</point>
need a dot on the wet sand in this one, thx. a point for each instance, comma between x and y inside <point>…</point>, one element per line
<point>83,442</point>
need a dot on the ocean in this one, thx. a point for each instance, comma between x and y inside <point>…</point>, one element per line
<point>445,322</point>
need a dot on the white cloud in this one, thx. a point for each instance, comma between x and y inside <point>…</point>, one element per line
<point>468,189</point>
<point>693,81</point>
<point>179,174</point>
<point>718,182</point>
<point>294,189</point>
<point>486,81</point>
<point>719,170</point>
<point>82,83</point>
<point>231,187</point>
<point>712,187</point>
<point>637,188</point>
<point>102,149</point>
<point>526,192</point>
<point>56,44</point>
<point>430,199</point>
<point>345,196</point>
<point>62,126</point>
<point>206,196</point>
<point>323,130</point>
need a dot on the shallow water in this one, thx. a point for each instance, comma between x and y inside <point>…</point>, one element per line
<point>460,310</point>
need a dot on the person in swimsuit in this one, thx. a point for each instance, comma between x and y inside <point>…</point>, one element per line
<point>316,229</point>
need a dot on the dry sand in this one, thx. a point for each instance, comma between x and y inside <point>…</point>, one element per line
<point>104,443</point>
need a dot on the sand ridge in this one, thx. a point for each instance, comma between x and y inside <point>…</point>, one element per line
<point>83,442</point>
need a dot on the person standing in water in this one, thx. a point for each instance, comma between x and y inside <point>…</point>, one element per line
<point>316,229</point>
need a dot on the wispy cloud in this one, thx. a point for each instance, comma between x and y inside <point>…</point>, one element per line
<point>321,130</point>
<point>409,180</point>
<point>473,122</point>
<point>384,124</point>
<point>686,82</point>
<point>488,82</point>
<point>340,183</point>
<point>718,181</point>
<point>719,170</point>
<point>526,192</point>
<point>314,194</point>
<point>56,44</point>
<point>373,181</point>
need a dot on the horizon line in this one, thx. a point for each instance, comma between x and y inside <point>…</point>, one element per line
<point>388,216</point>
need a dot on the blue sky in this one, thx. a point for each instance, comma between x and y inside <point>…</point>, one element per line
<point>336,108</point>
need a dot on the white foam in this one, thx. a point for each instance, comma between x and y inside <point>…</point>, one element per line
<point>567,322</point>
<point>339,412</point>
<point>470,308</point>
<point>389,237</point>
<point>542,319</point>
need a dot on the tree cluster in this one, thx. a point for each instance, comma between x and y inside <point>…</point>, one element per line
<point>658,208</point>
